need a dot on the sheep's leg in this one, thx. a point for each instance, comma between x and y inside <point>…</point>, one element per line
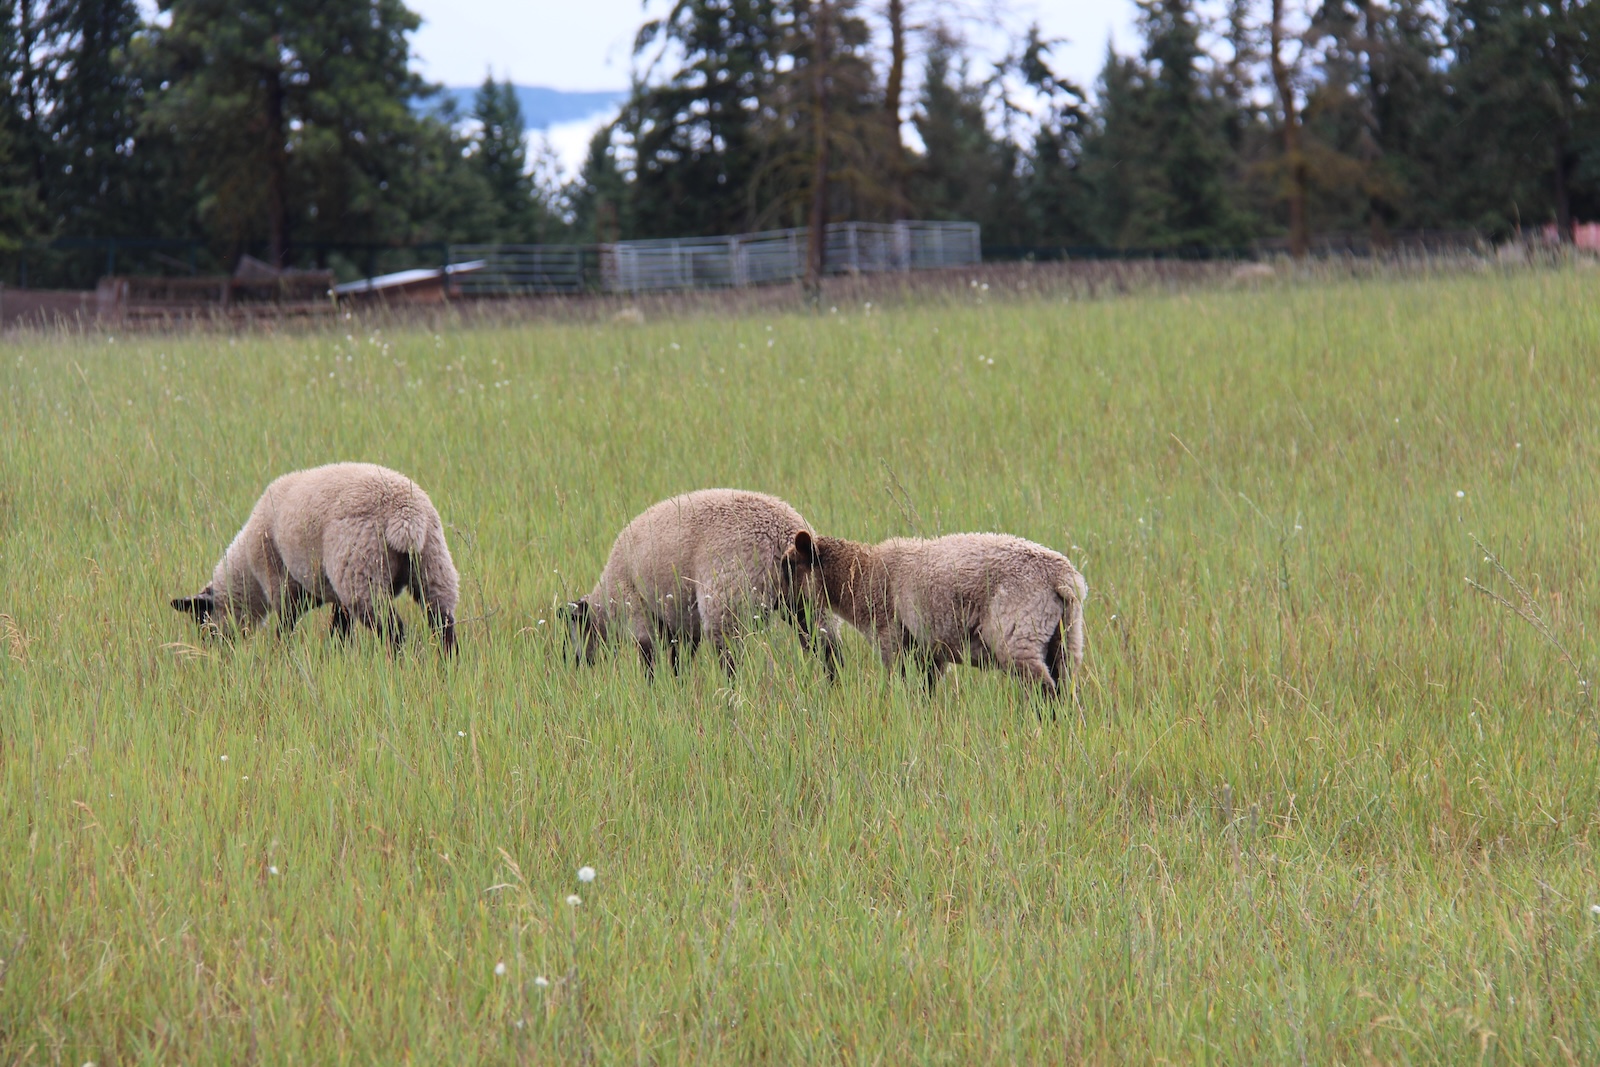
<point>819,640</point>
<point>1058,656</point>
<point>383,622</point>
<point>444,624</point>
<point>719,641</point>
<point>293,604</point>
<point>933,664</point>
<point>410,574</point>
<point>339,625</point>
<point>681,647</point>
<point>647,651</point>
<point>393,629</point>
<point>1038,672</point>
<point>715,624</point>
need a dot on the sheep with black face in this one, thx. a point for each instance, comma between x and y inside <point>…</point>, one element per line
<point>353,535</point>
<point>700,566</point>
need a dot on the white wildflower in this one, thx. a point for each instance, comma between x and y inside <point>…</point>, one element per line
<point>500,968</point>
<point>542,982</point>
<point>1460,493</point>
<point>585,874</point>
<point>272,870</point>
<point>573,900</point>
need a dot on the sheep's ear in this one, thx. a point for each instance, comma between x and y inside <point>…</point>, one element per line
<point>200,606</point>
<point>804,549</point>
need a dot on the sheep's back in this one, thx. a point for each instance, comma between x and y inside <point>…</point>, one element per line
<point>369,505</point>
<point>706,537</point>
<point>946,587</point>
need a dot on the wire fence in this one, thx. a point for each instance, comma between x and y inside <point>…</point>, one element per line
<point>515,269</point>
<point>734,261</point>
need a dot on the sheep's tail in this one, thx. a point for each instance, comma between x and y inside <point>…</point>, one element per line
<point>1073,591</point>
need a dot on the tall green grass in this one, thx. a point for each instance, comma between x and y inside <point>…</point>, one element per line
<point>1323,802</point>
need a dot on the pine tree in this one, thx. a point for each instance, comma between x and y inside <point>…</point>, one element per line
<point>727,142</point>
<point>500,154</point>
<point>599,195</point>
<point>296,115</point>
<point>696,136</point>
<point>21,213</point>
<point>23,82</point>
<point>96,185</point>
<point>1055,196</point>
<point>966,172</point>
<point>1159,157</point>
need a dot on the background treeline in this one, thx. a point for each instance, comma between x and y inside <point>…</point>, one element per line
<point>296,130</point>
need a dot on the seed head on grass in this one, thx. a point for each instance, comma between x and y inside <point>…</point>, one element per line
<point>573,900</point>
<point>585,874</point>
<point>500,968</point>
<point>542,982</point>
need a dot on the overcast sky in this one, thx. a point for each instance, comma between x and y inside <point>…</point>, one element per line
<point>587,44</point>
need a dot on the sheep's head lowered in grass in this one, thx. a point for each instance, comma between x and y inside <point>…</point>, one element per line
<point>585,630</point>
<point>210,610</point>
<point>201,605</point>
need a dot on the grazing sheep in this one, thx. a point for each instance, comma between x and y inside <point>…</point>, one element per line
<point>698,566</point>
<point>350,534</point>
<point>991,600</point>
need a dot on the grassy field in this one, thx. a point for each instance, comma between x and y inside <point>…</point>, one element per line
<point>1324,802</point>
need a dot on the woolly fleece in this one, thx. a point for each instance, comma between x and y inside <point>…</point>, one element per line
<point>350,534</point>
<point>698,566</point>
<point>991,600</point>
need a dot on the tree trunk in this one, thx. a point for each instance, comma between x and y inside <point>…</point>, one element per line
<point>1299,242</point>
<point>277,174</point>
<point>1371,131</point>
<point>817,237</point>
<point>1563,185</point>
<point>1561,145</point>
<point>893,88</point>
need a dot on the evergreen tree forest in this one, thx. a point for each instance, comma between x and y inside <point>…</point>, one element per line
<point>297,131</point>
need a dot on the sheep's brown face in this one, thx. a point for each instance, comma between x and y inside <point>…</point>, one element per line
<point>801,573</point>
<point>583,632</point>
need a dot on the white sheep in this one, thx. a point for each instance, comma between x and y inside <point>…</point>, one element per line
<point>991,600</point>
<point>698,566</point>
<point>350,534</point>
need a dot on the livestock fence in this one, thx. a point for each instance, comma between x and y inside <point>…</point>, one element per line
<point>733,261</point>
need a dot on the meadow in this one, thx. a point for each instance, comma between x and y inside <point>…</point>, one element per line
<point>1322,799</point>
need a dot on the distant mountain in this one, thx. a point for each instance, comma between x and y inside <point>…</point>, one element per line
<point>541,107</point>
